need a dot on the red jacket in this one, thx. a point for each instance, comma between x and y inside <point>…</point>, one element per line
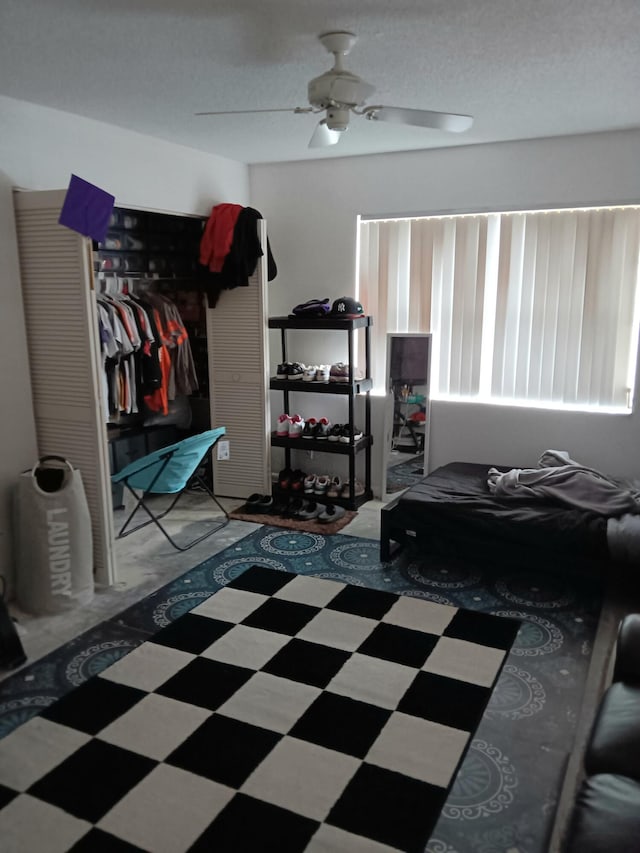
<point>218,235</point>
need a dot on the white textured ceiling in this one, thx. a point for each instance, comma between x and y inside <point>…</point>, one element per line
<point>522,68</point>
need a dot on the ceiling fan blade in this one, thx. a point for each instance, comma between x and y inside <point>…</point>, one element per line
<point>324,136</point>
<point>246,112</point>
<point>420,118</point>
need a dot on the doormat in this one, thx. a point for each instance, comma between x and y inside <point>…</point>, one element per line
<point>294,524</point>
<point>289,712</point>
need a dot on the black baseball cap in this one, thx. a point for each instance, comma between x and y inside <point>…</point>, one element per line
<point>347,307</point>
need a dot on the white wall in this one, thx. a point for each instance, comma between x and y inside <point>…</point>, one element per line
<point>39,149</point>
<point>311,208</point>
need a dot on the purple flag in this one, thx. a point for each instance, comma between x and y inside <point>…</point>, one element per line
<point>86,209</point>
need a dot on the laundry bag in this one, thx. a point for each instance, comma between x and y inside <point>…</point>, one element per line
<point>54,543</point>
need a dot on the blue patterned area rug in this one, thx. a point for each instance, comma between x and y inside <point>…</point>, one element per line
<point>405,474</point>
<point>504,796</point>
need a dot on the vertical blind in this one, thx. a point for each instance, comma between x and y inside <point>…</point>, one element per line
<point>536,307</point>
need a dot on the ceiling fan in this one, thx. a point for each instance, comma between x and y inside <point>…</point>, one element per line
<point>338,93</point>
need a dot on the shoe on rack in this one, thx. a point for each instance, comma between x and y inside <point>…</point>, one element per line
<point>284,479</point>
<point>282,429</point>
<point>309,373</point>
<point>322,429</point>
<point>279,506</point>
<point>309,484</point>
<point>322,373</point>
<point>350,432</point>
<point>296,371</point>
<point>283,370</point>
<point>339,372</point>
<point>335,487</point>
<point>296,426</point>
<point>309,430</point>
<point>358,489</point>
<point>253,501</point>
<point>295,506</point>
<point>331,513</point>
<point>311,510</point>
<point>335,432</point>
<point>321,485</point>
<point>297,482</point>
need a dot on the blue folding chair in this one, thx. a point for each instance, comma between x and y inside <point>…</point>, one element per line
<point>169,471</point>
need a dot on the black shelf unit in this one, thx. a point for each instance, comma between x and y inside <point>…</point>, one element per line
<point>350,389</point>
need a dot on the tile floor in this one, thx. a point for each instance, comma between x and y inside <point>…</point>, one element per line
<point>146,562</point>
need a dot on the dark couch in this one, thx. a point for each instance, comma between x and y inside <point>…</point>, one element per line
<point>606,814</point>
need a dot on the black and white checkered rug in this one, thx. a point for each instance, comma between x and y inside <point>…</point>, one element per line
<point>283,713</point>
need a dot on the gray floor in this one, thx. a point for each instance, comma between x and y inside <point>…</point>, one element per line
<point>146,562</point>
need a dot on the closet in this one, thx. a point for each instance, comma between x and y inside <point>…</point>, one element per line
<point>60,271</point>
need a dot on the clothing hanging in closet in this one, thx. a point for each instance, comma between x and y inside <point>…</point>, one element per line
<point>146,353</point>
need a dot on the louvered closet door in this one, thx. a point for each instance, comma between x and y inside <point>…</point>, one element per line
<point>238,374</point>
<point>60,313</point>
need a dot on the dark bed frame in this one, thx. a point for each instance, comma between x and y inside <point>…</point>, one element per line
<point>439,512</point>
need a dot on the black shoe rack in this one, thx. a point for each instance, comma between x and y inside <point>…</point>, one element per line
<point>350,390</point>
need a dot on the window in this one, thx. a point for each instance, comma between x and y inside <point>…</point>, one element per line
<point>528,308</point>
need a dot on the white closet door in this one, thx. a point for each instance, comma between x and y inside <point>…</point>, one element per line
<point>62,330</point>
<point>239,383</point>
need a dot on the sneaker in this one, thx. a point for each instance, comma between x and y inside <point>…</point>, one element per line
<point>296,426</point>
<point>296,371</point>
<point>335,432</point>
<point>321,485</point>
<point>283,370</point>
<point>309,430</point>
<point>280,506</point>
<point>331,513</point>
<point>322,373</point>
<point>265,504</point>
<point>259,503</point>
<point>309,484</point>
<point>309,374</point>
<point>297,481</point>
<point>350,432</point>
<point>335,487</point>
<point>339,372</point>
<point>282,429</point>
<point>294,507</point>
<point>284,479</point>
<point>322,429</point>
<point>310,511</point>
<point>358,489</point>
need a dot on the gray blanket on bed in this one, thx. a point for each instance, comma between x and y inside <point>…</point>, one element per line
<point>562,479</point>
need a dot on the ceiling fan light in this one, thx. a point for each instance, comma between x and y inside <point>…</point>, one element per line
<point>324,136</point>
<point>337,119</point>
